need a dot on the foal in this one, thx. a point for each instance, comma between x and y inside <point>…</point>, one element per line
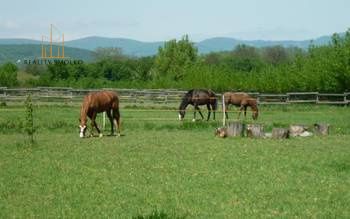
<point>243,100</point>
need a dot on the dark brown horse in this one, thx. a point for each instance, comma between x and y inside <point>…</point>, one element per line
<point>243,100</point>
<point>97,102</point>
<point>198,97</point>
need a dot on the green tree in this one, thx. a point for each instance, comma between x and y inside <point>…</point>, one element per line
<point>35,69</point>
<point>275,55</point>
<point>58,71</point>
<point>212,58</point>
<point>244,58</point>
<point>113,53</point>
<point>174,57</point>
<point>8,75</point>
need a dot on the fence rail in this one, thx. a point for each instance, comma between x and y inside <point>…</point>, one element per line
<point>160,96</point>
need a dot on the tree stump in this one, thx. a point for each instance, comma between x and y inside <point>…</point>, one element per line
<point>321,129</point>
<point>280,133</point>
<point>297,130</point>
<point>235,129</point>
<point>255,130</point>
<point>221,132</point>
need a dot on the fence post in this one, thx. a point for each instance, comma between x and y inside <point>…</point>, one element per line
<point>104,121</point>
<point>71,96</point>
<point>166,98</point>
<point>223,111</point>
<point>4,94</point>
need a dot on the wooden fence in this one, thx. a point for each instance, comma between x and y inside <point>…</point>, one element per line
<point>158,96</point>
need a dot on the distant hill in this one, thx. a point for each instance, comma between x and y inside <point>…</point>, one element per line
<point>138,48</point>
<point>81,47</point>
<point>128,46</point>
<point>18,41</point>
<point>225,44</point>
<point>13,52</point>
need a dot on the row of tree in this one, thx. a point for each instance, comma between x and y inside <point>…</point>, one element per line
<point>178,65</point>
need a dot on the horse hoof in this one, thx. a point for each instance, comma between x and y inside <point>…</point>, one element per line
<point>100,135</point>
<point>118,135</point>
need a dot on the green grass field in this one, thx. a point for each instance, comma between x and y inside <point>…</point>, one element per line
<point>178,169</point>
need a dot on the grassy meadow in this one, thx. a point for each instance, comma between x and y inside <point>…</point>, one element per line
<point>161,166</point>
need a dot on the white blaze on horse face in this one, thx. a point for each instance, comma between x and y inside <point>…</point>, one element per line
<point>82,128</point>
<point>180,118</point>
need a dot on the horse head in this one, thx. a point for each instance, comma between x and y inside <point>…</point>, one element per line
<point>255,114</point>
<point>181,114</point>
<point>182,107</point>
<point>82,127</point>
<point>255,109</point>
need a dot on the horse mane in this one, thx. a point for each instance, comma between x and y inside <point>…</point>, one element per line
<point>85,108</point>
<point>186,99</point>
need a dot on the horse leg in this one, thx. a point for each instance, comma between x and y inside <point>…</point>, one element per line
<point>109,114</point>
<point>95,124</point>
<point>213,108</point>
<point>194,113</point>
<point>116,120</point>
<point>209,111</point>
<point>226,114</point>
<point>245,111</point>
<point>90,115</point>
<point>240,111</point>
<point>200,113</point>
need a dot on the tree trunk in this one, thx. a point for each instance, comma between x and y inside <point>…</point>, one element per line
<point>297,130</point>
<point>255,130</point>
<point>235,129</point>
<point>321,129</point>
<point>221,132</point>
<point>279,133</point>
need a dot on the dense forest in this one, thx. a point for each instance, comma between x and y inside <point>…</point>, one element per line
<point>179,65</point>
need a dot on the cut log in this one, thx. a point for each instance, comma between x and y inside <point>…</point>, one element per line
<point>255,130</point>
<point>280,133</point>
<point>235,129</point>
<point>321,129</point>
<point>221,132</point>
<point>306,134</point>
<point>297,130</point>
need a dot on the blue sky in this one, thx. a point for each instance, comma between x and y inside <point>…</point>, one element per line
<point>155,20</point>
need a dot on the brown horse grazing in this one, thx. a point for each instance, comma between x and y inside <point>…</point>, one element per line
<point>243,100</point>
<point>97,102</point>
<point>197,97</point>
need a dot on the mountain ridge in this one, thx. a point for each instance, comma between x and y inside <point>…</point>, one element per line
<point>133,47</point>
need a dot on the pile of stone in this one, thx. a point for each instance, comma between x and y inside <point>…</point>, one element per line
<point>239,129</point>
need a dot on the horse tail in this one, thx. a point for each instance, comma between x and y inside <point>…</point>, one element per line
<point>116,113</point>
